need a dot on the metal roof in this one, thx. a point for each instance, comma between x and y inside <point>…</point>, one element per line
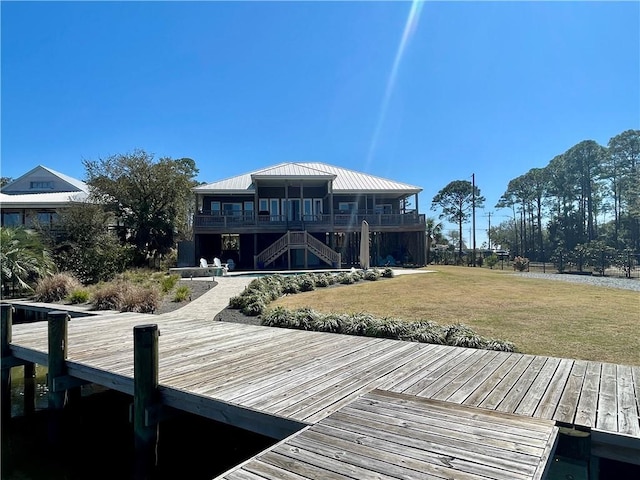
<point>41,200</point>
<point>344,180</point>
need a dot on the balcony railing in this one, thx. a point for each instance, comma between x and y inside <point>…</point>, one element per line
<point>216,220</point>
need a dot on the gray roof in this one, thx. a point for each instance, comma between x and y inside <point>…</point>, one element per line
<point>344,180</point>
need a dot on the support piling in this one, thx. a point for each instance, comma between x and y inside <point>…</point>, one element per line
<point>145,396</point>
<point>57,332</point>
<point>5,351</point>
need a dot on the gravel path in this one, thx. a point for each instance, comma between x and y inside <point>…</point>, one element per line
<point>611,282</point>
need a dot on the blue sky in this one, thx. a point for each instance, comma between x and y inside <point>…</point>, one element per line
<point>420,93</point>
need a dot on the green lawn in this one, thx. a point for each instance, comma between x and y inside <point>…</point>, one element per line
<point>541,317</point>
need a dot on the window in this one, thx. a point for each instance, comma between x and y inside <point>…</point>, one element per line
<point>383,208</point>
<point>292,209</point>
<point>234,209</point>
<point>274,208</point>
<point>40,185</point>
<point>312,208</point>
<point>215,208</point>
<point>10,219</point>
<point>307,207</point>
<point>346,207</point>
<point>263,205</point>
<point>45,218</point>
<point>248,207</point>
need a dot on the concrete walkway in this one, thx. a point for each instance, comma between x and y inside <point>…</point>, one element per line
<point>207,306</point>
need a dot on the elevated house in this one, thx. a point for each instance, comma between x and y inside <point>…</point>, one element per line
<point>307,215</point>
<point>36,196</point>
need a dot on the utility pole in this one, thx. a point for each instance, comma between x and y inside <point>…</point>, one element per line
<point>473,216</point>
<point>489,230</point>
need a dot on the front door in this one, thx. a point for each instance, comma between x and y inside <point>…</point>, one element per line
<point>293,209</point>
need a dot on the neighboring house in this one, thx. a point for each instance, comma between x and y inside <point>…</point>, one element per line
<point>37,195</point>
<point>307,215</point>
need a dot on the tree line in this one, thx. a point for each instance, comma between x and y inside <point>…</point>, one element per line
<point>587,198</point>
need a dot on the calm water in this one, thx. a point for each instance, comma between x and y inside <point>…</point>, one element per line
<point>98,441</point>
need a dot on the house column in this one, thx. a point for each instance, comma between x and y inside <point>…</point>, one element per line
<point>302,207</point>
<point>330,187</point>
<point>256,206</point>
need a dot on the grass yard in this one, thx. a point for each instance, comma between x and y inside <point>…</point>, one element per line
<point>541,317</point>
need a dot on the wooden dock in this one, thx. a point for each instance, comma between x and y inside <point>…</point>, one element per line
<point>387,435</point>
<point>277,382</point>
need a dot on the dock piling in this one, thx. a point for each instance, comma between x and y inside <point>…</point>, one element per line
<point>145,392</point>
<point>57,339</point>
<point>5,351</point>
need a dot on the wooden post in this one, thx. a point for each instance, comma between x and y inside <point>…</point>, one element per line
<point>145,392</point>
<point>57,356</point>
<point>57,323</point>
<point>5,340</point>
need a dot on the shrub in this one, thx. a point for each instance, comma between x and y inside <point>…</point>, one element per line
<point>276,317</point>
<point>331,323</point>
<point>108,296</point>
<point>346,279</point>
<point>238,302</point>
<point>492,260</point>
<point>372,275</point>
<point>357,275</point>
<point>388,273</point>
<point>358,324</point>
<point>307,283</point>
<point>167,282</point>
<point>500,345</point>
<point>55,287</point>
<point>321,281</point>
<point>460,335</point>
<point>389,328</point>
<point>331,278</point>
<point>183,293</point>
<point>79,295</point>
<point>169,260</point>
<point>254,308</point>
<point>140,299</point>
<point>521,264</point>
<point>428,335</point>
<point>290,286</point>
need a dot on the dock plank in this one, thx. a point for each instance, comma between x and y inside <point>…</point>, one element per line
<point>628,413</point>
<point>567,405</point>
<point>587,409</point>
<point>607,418</point>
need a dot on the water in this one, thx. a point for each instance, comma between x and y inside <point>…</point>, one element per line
<point>97,441</point>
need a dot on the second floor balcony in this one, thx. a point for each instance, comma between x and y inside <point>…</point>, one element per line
<point>238,221</point>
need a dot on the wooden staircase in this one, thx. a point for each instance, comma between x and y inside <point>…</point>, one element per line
<point>297,240</point>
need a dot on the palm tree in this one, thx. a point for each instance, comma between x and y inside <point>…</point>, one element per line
<point>23,258</point>
<point>434,233</point>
